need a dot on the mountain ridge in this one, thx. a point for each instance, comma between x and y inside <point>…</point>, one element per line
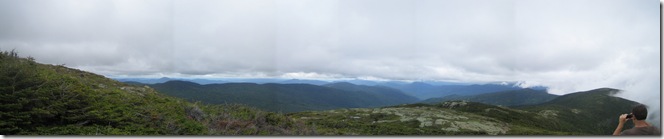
<point>280,97</point>
<point>510,98</point>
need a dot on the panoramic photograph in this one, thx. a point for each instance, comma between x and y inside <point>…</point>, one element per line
<point>330,68</point>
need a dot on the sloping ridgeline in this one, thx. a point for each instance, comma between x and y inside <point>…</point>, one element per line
<point>519,97</point>
<point>425,91</point>
<point>386,95</point>
<point>591,112</point>
<point>283,97</point>
<point>38,99</point>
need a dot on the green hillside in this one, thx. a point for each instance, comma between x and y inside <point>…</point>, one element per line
<point>504,98</point>
<point>283,97</point>
<point>594,111</point>
<point>425,91</point>
<point>388,96</point>
<point>39,99</point>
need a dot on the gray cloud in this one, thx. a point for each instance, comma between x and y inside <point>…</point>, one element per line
<point>569,45</point>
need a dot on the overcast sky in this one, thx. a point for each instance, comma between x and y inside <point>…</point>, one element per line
<point>568,45</point>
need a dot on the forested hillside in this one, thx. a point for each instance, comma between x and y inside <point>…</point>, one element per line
<point>519,97</point>
<point>284,97</point>
<point>425,91</point>
<point>388,95</point>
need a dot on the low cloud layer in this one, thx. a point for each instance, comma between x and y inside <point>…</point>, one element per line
<point>568,45</point>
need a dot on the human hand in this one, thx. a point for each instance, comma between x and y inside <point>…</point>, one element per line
<point>623,118</point>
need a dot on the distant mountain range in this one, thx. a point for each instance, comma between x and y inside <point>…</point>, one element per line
<point>426,91</point>
<point>420,90</point>
<point>519,97</point>
<point>303,95</point>
<point>277,80</point>
<point>203,81</point>
<point>287,97</point>
<point>385,94</point>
